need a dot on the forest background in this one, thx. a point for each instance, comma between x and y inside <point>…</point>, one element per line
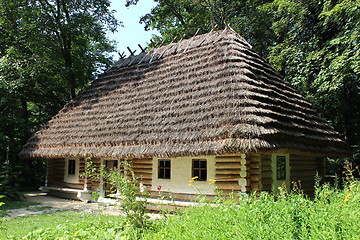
<point>50,50</point>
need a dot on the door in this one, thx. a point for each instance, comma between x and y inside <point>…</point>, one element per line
<point>281,171</point>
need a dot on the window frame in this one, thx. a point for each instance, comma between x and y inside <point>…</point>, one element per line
<point>281,168</point>
<point>71,167</point>
<point>70,177</point>
<point>164,172</point>
<point>200,170</point>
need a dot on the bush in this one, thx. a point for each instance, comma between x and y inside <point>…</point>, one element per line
<point>333,214</point>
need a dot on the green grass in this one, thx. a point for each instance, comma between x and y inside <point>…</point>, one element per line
<point>332,214</point>
<point>66,225</point>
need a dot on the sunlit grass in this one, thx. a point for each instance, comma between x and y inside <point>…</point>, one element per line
<point>332,214</point>
<point>62,224</point>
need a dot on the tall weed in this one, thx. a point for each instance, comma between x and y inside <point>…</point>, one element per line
<point>333,214</point>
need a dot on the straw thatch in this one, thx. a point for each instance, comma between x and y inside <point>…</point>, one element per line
<point>211,94</point>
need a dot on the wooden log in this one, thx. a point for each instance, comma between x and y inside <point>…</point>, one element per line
<point>254,165</point>
<point>227,165</point>
<point>255,178</point>
<point>243,162</point>
<point>266,179</point>
<point>266,174</point>
<point>146,171</point>
<point>244,173</point>
<point>266,168</point>
<point>228,171</point>
<point>230,156</point>
<point>141,167</point>
<point>227,179</point>
<point>254,171</point>
<point>228,186</point>
<point>244,182</point>
<point>255,186</point>
<point>254,159</point>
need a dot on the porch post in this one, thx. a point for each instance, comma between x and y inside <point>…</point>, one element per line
<point>85,177</point>
<point>46,172</point>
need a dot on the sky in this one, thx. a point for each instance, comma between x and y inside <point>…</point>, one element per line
<point>133,32</point>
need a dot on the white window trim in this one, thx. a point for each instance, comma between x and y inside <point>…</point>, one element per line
<point>278,183</point>
<point>72,178</point>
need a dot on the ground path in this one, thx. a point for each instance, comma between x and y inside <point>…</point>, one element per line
<point>49,204</point>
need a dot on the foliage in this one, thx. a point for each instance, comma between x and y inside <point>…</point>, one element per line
<point>2,212</point>
<point>183,18</point>
<point>64,225</point>
<point>49,51</point>
<point>318,50</point>
<point>9,182</point>
<point>123,182</point>
<point>332,214</point>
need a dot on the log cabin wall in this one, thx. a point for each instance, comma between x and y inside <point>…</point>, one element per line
<point>254,167</point>
<point>94,184</point>
<point>142,168</point>
<point>304,168</point>
<point>266,173</point>
<point>56,173</point>
<point>231,173</point>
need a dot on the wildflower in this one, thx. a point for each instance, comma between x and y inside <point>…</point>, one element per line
<point>346,199</point>
<point>190,184</point>
<point>159,188</point>
<point>194,178</point>
<point>211,181</point>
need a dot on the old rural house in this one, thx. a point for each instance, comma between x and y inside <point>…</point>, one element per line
<point>206,107</point>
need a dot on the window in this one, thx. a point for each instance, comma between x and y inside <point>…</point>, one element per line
<point>71,171</point>
<point>164,169</point>
<point>71,167</point>
<point>199,169</point>
<point>281,167</point>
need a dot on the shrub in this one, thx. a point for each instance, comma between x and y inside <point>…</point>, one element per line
<point>127,185</point>
<point>333,214</point>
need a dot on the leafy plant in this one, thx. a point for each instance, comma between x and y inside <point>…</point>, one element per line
<point>126,185</point>
<point>8,183</point>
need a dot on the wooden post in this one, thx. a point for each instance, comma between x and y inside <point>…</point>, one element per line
<point>47,172</point>
<point>85,175</point>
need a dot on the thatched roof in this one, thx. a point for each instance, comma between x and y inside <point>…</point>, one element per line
<point>211,94</point>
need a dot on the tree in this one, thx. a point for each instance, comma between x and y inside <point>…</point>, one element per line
<point>314,44</point>
<point>49,51</point>
<point>318,50</point>
<point>183,18</point>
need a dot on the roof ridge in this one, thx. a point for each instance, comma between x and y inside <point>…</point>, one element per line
<point>178,47</point>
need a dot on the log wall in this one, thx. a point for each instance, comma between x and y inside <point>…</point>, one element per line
<point>266,172</point>
<point>304,168</point>
<point>93,184</point>
<point>56,173</point>
<point>231,173</point>
<point>254,168</point>
<point>142,168</point>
